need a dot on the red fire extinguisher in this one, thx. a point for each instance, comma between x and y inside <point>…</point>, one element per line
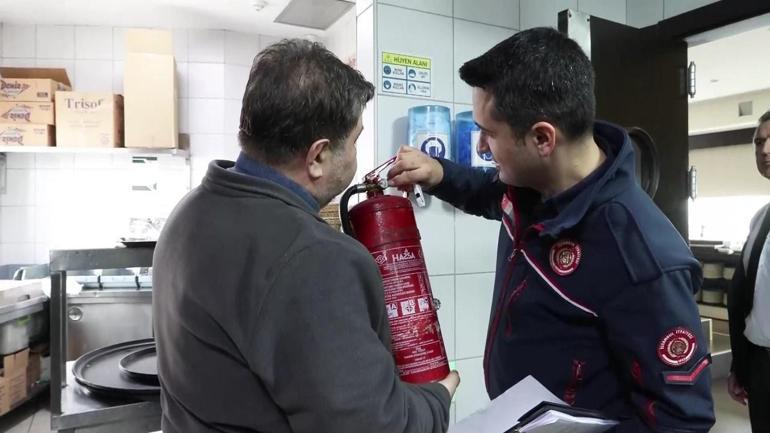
<point>386,226</point>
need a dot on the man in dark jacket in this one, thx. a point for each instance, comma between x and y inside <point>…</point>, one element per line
<point>749,305</point>
<point>594,286</point>
<point>267,319</point>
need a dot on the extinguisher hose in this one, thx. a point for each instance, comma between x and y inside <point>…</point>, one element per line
<point>347,227</point>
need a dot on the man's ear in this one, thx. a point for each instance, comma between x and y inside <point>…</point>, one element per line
<point>317,156</point>
<point>543,136</point>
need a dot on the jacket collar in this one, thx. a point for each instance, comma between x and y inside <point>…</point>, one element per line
<point>252,167</point>
<point>221,177</point>
<point>615,175</point>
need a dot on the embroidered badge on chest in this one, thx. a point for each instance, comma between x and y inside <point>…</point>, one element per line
<point>677,347</point>
<point>565,257</point>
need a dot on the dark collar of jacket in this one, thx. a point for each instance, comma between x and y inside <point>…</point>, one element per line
<point>615,175</point>
<point>221,177</point>
<point>252,167</point>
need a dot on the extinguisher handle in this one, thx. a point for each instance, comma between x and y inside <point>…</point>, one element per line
<point>347,227</point>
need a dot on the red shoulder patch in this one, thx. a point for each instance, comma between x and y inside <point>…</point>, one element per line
<point>677,347</point>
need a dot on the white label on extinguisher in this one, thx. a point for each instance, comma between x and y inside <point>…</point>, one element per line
<point>435,145</point>
<point>479,159</point>
<point>417,342</point>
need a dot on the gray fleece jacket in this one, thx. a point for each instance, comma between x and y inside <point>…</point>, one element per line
<point>268,320</point>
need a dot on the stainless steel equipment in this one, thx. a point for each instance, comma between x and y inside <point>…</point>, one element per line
<point>74,409</point>
<point>108,310</point>
<point>23,308</point>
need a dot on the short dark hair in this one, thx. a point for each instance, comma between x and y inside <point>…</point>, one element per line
<point>299,92</point>
<point>765,117</point>
<point>537,75</point>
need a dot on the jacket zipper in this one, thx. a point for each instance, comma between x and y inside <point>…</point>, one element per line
<point>496,320</point>
<point>515,294</point>
<point>570,394</point>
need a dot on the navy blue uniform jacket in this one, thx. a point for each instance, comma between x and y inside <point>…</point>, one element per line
<point>593,295</point>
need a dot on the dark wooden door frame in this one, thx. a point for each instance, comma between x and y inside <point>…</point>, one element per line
<point>712,16</point>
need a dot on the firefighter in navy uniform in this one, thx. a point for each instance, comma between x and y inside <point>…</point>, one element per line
<point>594,286</point>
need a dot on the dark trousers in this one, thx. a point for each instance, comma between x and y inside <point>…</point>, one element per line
<point>759,389</point>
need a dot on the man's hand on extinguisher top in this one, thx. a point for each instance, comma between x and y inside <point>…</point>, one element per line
<point>414,167</point>
<point>451,382</point>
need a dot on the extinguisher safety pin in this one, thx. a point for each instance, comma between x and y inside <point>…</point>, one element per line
<point>373,177</point>
<point>375,174</point>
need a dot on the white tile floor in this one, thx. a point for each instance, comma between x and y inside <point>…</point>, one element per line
<point>34,416</point>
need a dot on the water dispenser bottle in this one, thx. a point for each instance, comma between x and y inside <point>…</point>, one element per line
<point>430,130</point>
<point>467,142</point>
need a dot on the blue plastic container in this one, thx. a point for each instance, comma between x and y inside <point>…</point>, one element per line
<point>430,130</point>
<point>467,141</point>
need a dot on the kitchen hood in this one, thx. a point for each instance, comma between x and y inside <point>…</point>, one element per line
<point>315,14</point>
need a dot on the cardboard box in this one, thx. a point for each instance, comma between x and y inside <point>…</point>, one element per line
<point>27,112</point>
<point>32,84</point>
<point>149,87</point>
<point>89,119</point>
<point>26,135</point>
<point>34,368</point>
<point>13,380</point>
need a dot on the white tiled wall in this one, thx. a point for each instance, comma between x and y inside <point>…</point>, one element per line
<point>613,10</point>
<point>74,201</point>
<point>494,12</point>
<point>536,13</point>
<point>471,40</point>
<point>471,395</point>
<point>473,299</point>
<point>644,13</point>
<point>365,59</point>
<point>421,34</point>
<point>438,7</point>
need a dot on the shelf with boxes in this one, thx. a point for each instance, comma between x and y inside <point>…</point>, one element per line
<point>39,112</point>
<point>184,153</point>
<point>718,268</point>
<point>39,109</point>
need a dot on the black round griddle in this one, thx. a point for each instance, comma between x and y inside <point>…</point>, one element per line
<point>141,365</point>
<point>99,371</point>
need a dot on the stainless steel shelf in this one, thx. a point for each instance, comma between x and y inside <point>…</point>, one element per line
<point>81,410</point>
<point>103,258</point>
<point>95,150</point>
<point>22,308</point>
<point>73,408</point>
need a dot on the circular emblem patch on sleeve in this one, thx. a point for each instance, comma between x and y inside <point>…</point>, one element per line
<point>677,347</point>
<point>565,257</point>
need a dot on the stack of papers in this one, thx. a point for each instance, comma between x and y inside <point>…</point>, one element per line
<point>554,421</point>
<point>528,407</point>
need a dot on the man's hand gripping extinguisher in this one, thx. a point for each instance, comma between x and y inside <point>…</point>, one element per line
<point>386,226</point>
